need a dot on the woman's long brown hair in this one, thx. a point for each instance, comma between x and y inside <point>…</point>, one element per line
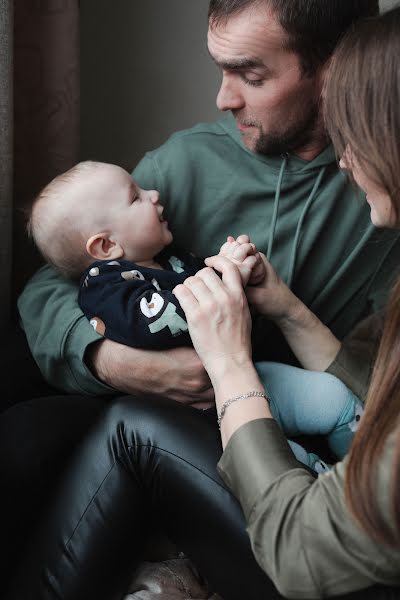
<point>362,113</point>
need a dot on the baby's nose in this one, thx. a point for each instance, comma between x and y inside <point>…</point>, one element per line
<point>154,196</point>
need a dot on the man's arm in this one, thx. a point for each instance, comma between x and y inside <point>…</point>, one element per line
<point>177,374</point>
<point>74,358</point>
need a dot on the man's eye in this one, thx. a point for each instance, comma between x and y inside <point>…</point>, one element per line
<point>248,80</point>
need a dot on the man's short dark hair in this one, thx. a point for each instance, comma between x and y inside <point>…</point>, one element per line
<point>314,27</point>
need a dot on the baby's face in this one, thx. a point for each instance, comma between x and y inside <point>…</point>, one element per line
<point>132,216</point>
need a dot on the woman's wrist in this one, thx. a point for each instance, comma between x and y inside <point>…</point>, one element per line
<point>232,366</point>
<point>234,381</point>
<point>238,410</point>
<point>297,316</point>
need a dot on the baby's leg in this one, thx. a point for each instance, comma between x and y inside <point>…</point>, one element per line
<point>308,458</point>
<point>311,403</point>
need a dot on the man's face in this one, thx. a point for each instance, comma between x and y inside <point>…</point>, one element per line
<point>275,106</point>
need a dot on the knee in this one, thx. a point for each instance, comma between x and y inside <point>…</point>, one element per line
<point>145,415</point>
<point>335,388</point>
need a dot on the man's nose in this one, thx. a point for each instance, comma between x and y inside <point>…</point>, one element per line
<point>229,96</point>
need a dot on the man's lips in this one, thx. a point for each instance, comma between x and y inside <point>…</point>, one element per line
<point>243,126</point>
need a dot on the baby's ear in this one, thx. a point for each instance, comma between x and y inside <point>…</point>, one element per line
<point>101,247</point>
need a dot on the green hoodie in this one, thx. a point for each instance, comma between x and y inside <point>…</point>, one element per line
<point>303,215</point>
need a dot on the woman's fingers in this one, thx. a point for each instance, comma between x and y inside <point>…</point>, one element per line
<point>230,273</point>
<point>200,292</point>
<point>186,299</point>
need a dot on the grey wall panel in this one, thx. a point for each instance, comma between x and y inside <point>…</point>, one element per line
<point>145,72</point>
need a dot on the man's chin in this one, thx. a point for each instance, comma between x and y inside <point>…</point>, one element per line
<point>250,141</point>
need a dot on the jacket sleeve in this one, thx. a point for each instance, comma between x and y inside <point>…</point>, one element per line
<point>300,529</point>
<point>355,360</point>
<point>132,311</point>
<point>58,333</point>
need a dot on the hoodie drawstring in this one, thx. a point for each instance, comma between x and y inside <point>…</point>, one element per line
<point>293,254</point>
<point>307,205</point>
<point>275,211</point>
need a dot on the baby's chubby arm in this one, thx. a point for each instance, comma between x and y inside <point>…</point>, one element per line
<point>243,253</point>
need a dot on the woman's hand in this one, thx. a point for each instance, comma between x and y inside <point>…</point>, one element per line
<point>219,323</point>
<point>272,297</point>
<point>312,342</point>
<point>218,316</point>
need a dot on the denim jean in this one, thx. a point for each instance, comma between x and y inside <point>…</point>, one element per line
<point>311,403</point>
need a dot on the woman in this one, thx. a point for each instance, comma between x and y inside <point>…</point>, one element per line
<point>292,519</point>
<point>311,539</point>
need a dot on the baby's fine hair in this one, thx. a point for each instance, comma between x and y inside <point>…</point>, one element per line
<point>56,225</point>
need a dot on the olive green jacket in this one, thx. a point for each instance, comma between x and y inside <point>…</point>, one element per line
<point>301,530</point>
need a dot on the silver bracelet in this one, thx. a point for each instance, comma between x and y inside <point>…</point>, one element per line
<point>241,397</point>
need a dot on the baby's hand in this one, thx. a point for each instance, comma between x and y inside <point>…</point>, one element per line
<point>244,255</point>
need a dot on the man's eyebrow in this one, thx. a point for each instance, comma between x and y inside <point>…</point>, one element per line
<point>240,64</point>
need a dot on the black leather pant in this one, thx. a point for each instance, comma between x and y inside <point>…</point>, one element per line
<point>145,461</point>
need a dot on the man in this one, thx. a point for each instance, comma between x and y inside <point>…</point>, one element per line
<point>216,179</point>
<point>266,169</point>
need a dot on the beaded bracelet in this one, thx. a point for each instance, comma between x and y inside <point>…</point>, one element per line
<point>241,397</point>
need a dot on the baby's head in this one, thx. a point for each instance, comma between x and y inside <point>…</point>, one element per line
<point>95,211</point>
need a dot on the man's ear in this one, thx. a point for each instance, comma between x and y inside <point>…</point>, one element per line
<point>101,247</point>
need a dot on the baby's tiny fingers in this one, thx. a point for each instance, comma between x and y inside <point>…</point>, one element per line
<point>243,239</point>
<point>242,251</point>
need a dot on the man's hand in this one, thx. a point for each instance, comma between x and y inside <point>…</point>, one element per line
<point>244,255</point>
<point>177,374</point>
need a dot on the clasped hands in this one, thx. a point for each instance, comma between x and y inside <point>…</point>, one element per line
<point>217,309</point>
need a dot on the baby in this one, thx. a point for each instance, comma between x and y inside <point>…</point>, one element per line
<point>95,223</point>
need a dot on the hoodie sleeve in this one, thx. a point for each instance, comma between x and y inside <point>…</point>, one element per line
<point>58,332</point>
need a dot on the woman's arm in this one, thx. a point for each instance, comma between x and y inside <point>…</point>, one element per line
<point>312,342</point>
<point>301,531</point>
<point>219,324</point>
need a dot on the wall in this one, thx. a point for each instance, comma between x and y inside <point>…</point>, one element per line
<point>145,73</point>
<point>385,4</point>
